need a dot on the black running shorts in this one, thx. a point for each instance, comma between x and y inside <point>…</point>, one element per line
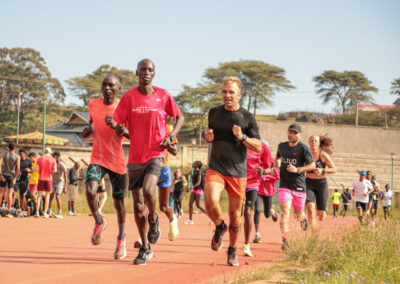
<point>118,181</point>
<point>317,192</point>
<point>362,205</point>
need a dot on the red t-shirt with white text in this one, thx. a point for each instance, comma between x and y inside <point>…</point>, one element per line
<point>146,117</point>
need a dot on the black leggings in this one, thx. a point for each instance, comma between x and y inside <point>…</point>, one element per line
<point>267,200</point>
<point>178,194</point>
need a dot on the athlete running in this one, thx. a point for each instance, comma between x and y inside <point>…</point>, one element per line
<point>375,196</point>
<point>164,188</point>
<point>107,157</point>
<point>145,109</point>
<point>232,130</point>
<point>179,185</point>
<point>255,168</point>
<point>197,190</point>
<point>346,197</point>
<point>266,192</point>
<point>361,189</point>
<point>316,181</point>
<point>386,197</point>
<point>295,158</point>
<point>59,185</point>
<point>335,202</point>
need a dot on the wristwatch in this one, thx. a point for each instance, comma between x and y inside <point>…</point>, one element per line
<point>244,137</point>
<point>298,170</point>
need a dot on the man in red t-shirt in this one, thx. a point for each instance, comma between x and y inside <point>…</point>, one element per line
<point>145,109</point>
<point>46,166</point>
<point>107,157</point>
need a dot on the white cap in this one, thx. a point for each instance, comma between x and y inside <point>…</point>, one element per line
<point>47,150</point>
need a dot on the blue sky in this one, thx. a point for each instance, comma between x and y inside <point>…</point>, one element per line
<point>185,37</point>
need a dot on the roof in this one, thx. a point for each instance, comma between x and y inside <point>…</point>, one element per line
<point>74,139</point>
<point>397,102</point>
<point>65,127</point>
<point>36,137</point>
<point>78,117</point>
<point>373,107</point>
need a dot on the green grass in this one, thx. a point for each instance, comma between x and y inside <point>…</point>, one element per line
<point>369,254</point>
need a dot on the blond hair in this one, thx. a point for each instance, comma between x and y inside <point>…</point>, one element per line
<point>233,79</point>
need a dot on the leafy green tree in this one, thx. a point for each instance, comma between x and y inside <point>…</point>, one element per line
<point>89,86</point>
<point>260,80</point>
<point>395,88</point>
<point>23,72</point>
<point>346,88</point>
<point>198,100</point>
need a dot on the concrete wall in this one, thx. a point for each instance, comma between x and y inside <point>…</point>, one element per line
<point>348,139</point>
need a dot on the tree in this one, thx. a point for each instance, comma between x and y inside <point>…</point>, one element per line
<point>89,86</point>
<point>395,89</point>
<point>199,100</point>
<point>23,72</point>
<point>347,88</point>
<point>260,80</point>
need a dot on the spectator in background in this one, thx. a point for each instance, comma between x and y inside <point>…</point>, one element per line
<point>8,174</point>
<point>59,184</point>
<point>23,181</point>
<point>46,166</point>
<point>74,178</point>
<point>33,181</point>
<point>197,190</point>
<point>179,185</point>
<point>335,202</point>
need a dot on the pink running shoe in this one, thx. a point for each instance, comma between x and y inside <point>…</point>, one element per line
<point>97,237</point>
<point>120,250</point>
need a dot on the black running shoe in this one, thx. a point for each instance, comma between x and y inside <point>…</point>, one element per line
<point>143,256</point>
<point>304,224</point>
<point>216,241</point>
<point>154,233</point>
<point>232,257</point>
<point>274,217</point>
<point>285,244</point>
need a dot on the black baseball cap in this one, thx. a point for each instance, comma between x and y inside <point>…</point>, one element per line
<point>296,127</point>
<point>56,153</point>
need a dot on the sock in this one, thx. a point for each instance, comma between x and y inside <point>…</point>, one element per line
<point>121,228</point>
<point>97,217</point>
<point>221,226</point>
<point>272,211</point>
<point>59,212</point>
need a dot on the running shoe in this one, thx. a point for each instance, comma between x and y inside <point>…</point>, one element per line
<point>216,241</point>
<point>37,215</point>
<point>154,233</point>
<point>70,213</point>
<point>304,224</point>
<point>53,214</point>
<point>257,238</point>
<point>173,229</point>
<point>120,250</point>
<point>97,237</point>
<point>274,217</point>
<point>75,214</point>
<point>232,258</point>
<point>246,250</point>
<point>59,216</point>
<point>285,244</point>
<point>180,213</point>
<point>144,255</point>
<point>9,215</point>
<point>189,222</point>
<point>45,216</point>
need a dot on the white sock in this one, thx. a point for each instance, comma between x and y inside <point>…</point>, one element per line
<point>272,211</point>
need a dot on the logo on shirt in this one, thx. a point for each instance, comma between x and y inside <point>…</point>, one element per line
<point>143,109</point>
<point>289,161</point>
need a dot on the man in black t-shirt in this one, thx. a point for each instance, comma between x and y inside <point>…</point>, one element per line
<point>346,197</point>
<point>295,160</point>
<point>25,169</point>
<point>232,130</point>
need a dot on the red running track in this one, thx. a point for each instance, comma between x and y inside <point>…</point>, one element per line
<point>59,251</point>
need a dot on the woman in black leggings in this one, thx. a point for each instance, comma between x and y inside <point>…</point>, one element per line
<point>316,182</point>
<point>179,185</point>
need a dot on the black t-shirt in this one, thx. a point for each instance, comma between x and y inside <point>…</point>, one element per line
<point>23,165</point>
<point>346,197</point>
<point>299,156</point>
<point>178,184</point>
<point>228,154</point>
<point>195,178</point>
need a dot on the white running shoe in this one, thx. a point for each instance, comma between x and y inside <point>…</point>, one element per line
<point>59,216</point>
<point>189,222</point>
<point>173,229</point>
<point>246,250</point>
<point>45,216</point>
